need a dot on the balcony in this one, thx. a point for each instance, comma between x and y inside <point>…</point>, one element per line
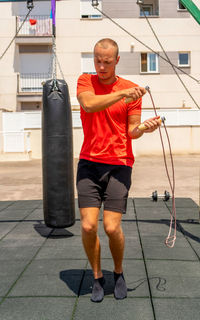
<point>36,29</point>
<point>31,83</point>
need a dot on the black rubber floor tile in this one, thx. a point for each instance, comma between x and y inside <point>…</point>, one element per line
<point>5,204</point>
<point>12,267</point>
<point>130,267</point>
<point>47,285</point>
<point>17,253</point>
<point>130,228</point>
<point>37,214</point>
<point>111,309</point>
<point>182,203</point>
<point>132,249</point>
<point>15,243</point>
<point>148,202</point>
<point>191,230</point>
<point>177,309</point>
<point>70,252</point>
<point>129,202</point>
<point>163,252</point>
<point>159,240</point>
<point>156,213</point>
<point>42,308</point>
<point>11,215</point>
<point>40,204</point>
<point>155,248</point>
<point>64,239</point>
<point>6,227</point>
<point>29,230</point>
<point>187,214</point>
<point>195,246</point>
<point>130,212</point>
<point>6,283</point>
<point>178,278</point>
<point>25,204</point>
<point>153,227</point>
<point>56,267</point>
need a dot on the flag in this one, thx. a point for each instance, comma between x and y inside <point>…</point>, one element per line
<point>53,11</point>
<point>32,22</point>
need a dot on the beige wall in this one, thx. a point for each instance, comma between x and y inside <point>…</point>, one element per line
<point>1,136</point>
<point>36,144</point>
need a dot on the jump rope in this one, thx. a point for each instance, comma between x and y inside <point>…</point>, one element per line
<point>171,238</point>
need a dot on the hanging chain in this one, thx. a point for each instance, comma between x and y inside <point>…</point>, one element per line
<point>54,64</point>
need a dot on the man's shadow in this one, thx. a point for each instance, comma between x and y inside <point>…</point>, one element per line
<point>80,282</point>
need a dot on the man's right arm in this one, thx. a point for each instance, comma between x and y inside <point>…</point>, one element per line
<point>94,103</point>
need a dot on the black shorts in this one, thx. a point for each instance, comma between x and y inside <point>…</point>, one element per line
<point>99,182</point>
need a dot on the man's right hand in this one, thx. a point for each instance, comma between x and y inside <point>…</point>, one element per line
<point>134,93</point>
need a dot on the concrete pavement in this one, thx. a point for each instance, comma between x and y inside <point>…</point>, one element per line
<point>23,180</point>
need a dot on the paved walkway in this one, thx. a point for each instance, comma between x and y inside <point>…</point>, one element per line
<point>45,275</point>
<point>22,180</point>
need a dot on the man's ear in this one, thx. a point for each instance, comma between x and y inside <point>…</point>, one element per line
<point>117,59</point>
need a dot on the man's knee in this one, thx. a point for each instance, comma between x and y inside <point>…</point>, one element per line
<point>89,228</point>
<point>112,229</point>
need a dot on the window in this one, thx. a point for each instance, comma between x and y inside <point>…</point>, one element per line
<point>87,63</point>
<point>88,11</point>
<point>149,8</point>
<point>149,62</point>
<point>183,59</point>
<point>181,6</point>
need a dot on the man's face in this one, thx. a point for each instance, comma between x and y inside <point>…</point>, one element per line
<point>105,61</point>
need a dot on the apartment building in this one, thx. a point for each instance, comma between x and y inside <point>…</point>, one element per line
<point>28,61</point>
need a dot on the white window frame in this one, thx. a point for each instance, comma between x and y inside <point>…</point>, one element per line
<point>178,7</point>
<point>184,65</point>
<point>87,11</point>
<point>147,6</point>
<point>87,66</point>
<point>148,60</point>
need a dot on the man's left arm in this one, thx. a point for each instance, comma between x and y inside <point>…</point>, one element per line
<point>134,122</point>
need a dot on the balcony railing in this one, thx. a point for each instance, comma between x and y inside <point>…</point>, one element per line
<point>32,82</point>
<point>35,26</point>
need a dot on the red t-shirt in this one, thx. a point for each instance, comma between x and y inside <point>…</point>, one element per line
<point>106,138</point>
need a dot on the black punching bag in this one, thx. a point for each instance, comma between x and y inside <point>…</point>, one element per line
<point>57,160</point>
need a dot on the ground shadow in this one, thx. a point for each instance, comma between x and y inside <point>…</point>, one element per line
<point>52,233</point>
<point>80,282</point>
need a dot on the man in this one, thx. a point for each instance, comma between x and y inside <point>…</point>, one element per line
<point>106,159</point>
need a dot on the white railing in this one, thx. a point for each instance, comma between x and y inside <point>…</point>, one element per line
<point>32,82</point>
<point>41,26</point>
<point>18,140</point>
<point>176,117</point>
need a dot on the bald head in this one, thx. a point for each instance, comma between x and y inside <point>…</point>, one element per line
<point>107,43</point>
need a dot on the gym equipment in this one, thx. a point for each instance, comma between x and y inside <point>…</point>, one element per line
<point>57,151</point>
<point>165,197</point>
